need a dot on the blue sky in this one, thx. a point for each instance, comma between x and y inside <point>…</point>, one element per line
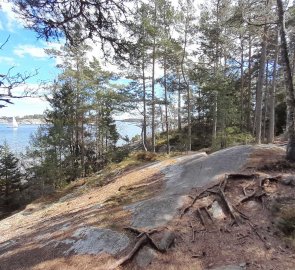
<point>25,53</point>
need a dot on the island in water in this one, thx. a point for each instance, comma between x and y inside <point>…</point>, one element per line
<point>35,119</point>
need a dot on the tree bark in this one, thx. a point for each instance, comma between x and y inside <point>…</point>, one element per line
<point>166,105</point>
<point>153,85</point>
<point>189,133</point>
<point>249,85</point>
<point>242,83</point>
<point>266,97</point>
<point>214,130</point>
<point>179,104</point>
<point>259,90</point>
<point>144,103</point>
<point>290,155</point>
<point>272,94</point>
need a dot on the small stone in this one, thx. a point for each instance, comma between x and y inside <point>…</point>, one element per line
<point>288,180</point>
<point>167,240</point>
<point>243,264</point>
<point>217,211</point>
<point>252,205</point>
<point>145,256</point>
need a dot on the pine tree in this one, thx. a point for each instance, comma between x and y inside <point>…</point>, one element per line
<point>10,175</point>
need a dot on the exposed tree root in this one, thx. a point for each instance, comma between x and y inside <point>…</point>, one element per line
<point>199,194</point>
<point>258,193</point>
<point>209,188</point>
<point>201,217</point>
<point>233,213</point>
<point>142,241</point>
<point>144,238</point>
<point>209,215</point>
<point>193,232</point>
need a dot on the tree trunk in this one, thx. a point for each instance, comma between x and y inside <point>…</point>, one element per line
<point>259,90</point>
<point>189,133</point>
<point>214,130</point>
<point>162,118</point>
<point>144,139</point>
<point>249,86</point>
<point>179,103</point>
<point>289,85</point>
<point>166,104</point>
<point>153,85</point>
<point>242,83</point>
<point>266,97</point>
<point>272,94</point>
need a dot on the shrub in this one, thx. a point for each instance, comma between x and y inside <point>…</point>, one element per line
<point>146,156</point>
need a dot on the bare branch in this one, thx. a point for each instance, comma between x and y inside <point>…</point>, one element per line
<point>3,44</point>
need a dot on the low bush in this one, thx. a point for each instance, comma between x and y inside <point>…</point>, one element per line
<point>146,156</point>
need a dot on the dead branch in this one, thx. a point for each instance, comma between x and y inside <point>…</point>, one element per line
<point>201,192</point>
<point>141,232</point>
<point>223,183</point>
<point>267,245</point>
<point>229,207</point>
<point>255,194</point>
<point>142,241</point>
<point>138,186</point>
<point>209,215</point>
<point>133,230</point>
<point>155,245</point>
<point>201,217</point>
<point>144,238</point>
<point>3,44</point>
<point>193,232</point>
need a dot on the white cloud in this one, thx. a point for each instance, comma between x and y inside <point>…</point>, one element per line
<point>30,50</point>
<point>13,21</point>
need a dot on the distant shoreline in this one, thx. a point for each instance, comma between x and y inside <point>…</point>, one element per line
<point>24,122</point>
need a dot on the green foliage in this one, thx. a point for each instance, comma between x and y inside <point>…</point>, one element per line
<point>80,135</point>
<point>119,154</point>
<point>10,176</point>
<point>231,136</point>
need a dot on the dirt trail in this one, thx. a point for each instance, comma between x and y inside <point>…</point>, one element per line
<point>86,228</point>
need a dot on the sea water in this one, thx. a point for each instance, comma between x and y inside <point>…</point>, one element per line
<point>19,138</point>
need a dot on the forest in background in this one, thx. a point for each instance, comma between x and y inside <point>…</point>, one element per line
<point>212,76</point>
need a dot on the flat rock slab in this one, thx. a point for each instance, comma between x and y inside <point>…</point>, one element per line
<point>155,212</point>
<point>92,240</point>
<point>190,172</point>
